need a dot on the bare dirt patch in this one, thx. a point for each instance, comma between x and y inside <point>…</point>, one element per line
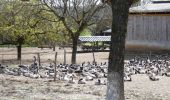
<point>21,88</point>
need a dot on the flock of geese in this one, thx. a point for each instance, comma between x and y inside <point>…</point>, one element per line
<point>82,73</point>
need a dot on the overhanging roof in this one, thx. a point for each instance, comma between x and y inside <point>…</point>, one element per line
<point>107,31</point>
<point>94,38</point>
<point>152,7</point>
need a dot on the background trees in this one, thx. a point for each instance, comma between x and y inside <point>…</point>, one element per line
<point>13,24</point>
<point>28,23</point>
<point>75,15</point>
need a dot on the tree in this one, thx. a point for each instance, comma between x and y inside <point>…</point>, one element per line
<point>21,23</point>
<point>12,27</point>
<point>76,15</point>
<point>115,86</point>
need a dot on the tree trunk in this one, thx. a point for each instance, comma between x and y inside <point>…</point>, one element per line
<point>19,51</point>
<point>74,51</point>
<point>53,48</point>
<point>115,86</point>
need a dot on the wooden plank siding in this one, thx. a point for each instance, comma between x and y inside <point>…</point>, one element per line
<point>154,29</point>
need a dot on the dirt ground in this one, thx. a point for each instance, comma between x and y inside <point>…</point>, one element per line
<point>23,88</point>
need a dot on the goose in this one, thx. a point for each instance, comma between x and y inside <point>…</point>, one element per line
<point>85,74</point>
<point>34,76</point>
<point>167,71</point>
<point>79,69</point>
<point>99,75</point>
<point>105,76</point>
<point>34,66</point>
<point>127,77</point>
<point>1,69</point>
<point>23,66</point>
<point>50,67</point>
<point>26,74</point>
<point>167,74</point>
<point>89,78</point>
<point>43,75</point>
<point>81,81</point>
<point>49,74</point>
<point>64,77</point>
<point>98,82</point>
<point>71,80</point>
<point>153,77</point>
<point>162,72</point>
<point>104,82</point>
<point>8,71</point>
<point>142,71</point>
<point>16,71</point>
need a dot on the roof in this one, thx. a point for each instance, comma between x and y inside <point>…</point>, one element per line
<point>107,31</point>
<point>151,7</point>
<point>94,38</point>
<point>160,1</point>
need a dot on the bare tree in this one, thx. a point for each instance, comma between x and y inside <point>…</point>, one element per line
<point>76,15</point>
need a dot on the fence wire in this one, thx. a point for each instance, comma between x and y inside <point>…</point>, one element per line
<point>9,55</point>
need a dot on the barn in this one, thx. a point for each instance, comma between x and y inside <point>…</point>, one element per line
<point>148,27</point>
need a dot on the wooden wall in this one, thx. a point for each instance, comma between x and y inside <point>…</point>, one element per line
<point>148,31</point>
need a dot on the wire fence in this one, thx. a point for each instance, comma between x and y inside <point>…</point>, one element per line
<point>9,55</point>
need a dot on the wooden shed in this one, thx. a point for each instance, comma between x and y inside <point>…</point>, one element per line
<point>148,27</point>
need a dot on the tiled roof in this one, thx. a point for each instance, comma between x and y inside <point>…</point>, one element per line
<point>94,38</point>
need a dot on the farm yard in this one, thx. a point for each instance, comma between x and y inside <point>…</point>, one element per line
<point>20,87</point>
<point>84,50</point>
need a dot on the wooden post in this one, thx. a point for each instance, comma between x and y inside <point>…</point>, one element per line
<point>150,55</point>
<point>53,48</point>
<point>94,58</point>
<point>55,62</point>
<point>20,60</point>
<point>2,58</point>
<point>64,56</point>
<point>39,60</point>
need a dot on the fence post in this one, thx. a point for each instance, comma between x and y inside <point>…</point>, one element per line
<point>55,62</point>
<point>39,60</point>
<point>53,48</point>
<point>150,54</point>
<point>2,58</point>
<point>20,60</point>
<point>64,56</point>
<point>94,58</point>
